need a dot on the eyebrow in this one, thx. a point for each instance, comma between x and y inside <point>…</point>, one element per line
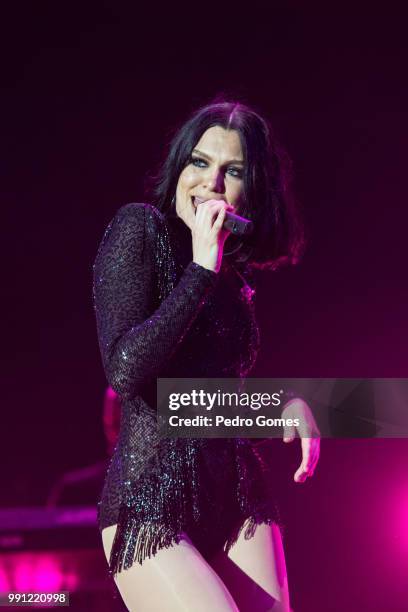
<point>231,161</point>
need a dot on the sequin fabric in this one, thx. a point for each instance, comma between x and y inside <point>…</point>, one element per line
<point>159,314</point>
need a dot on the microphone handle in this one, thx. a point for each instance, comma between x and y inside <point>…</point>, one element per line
<point>237,225</point>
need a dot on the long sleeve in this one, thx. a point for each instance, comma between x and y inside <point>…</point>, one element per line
<point>134,340</point>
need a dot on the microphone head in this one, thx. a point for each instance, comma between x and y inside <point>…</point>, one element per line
<point>237,225</point>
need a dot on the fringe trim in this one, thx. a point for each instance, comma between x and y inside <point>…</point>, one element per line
<point>158,506</point>
<point>255,508</point>
<point>250,523</point>
<point>249,532</point>
<point>164,502</point>
<point>135,542</point>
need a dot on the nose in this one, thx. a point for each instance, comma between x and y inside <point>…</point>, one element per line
<point>214,181</point>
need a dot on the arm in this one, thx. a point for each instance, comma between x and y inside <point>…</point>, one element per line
<point>134,342</point>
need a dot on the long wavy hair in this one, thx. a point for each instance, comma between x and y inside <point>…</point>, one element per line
<point>278,237</point>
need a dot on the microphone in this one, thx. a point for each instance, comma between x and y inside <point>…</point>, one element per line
<point>234,223</point>
<point>237,225</point>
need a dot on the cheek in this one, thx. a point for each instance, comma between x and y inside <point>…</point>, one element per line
<point>235,193</point>
<point>187,179</point>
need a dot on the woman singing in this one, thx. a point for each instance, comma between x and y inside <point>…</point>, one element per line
<point>190,524</point>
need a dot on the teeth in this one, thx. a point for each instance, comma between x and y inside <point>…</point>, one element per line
<point>197,201</point>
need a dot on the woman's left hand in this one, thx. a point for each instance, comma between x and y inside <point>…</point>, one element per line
<point>309,433</point>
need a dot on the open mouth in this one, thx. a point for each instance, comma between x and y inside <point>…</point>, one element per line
<point>195,200</point>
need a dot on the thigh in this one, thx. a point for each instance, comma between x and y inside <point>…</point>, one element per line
<point>175,579</point>
<point>254,571</point>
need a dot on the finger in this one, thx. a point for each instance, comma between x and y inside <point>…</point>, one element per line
<point>310,455</point>
<point>306,467</point>
<point>300,475</point>
<point>312,448</point>
<point>215,210</point>
<point>316,455</point>
<point>309,465</point>
<point>212,204</point>
<point>307,453</point>
<point>215,205</point>
<point>204,219</point>
<point>208,210</point>
<point>217,225</point>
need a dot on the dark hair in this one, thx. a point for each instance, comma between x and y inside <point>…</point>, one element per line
<point>268,201</point>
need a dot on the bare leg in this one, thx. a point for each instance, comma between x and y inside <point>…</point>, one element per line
<point>176,579</point>
<point>254,571</point>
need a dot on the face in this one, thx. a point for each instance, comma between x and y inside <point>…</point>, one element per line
<point>215,172</point>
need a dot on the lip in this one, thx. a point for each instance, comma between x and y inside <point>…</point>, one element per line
<point>197,200</point>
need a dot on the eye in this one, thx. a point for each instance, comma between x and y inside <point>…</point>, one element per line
<point>236,172</point>
<point>197,161</point>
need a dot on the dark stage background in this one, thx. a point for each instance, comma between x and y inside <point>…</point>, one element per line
<point>90,94</point>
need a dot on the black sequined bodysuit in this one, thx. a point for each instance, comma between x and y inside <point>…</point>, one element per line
<point>159,314</point>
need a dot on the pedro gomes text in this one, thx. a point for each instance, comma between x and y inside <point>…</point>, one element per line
<point>209,401</point>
